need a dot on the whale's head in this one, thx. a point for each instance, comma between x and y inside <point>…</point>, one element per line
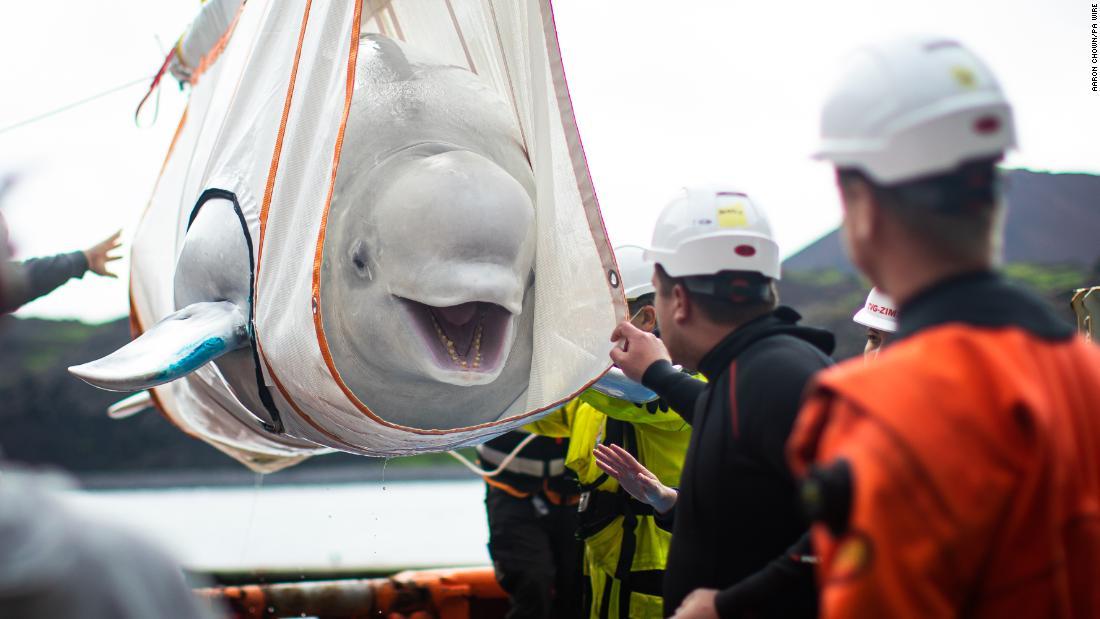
<point>455,245</point>
<point>426,288</point>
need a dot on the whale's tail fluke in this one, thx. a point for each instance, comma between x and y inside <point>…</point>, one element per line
<point>179,344</point>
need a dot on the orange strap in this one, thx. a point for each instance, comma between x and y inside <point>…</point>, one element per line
<point>557,498</point>
<point>499,485</point>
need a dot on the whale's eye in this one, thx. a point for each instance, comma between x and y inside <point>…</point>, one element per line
<point>358,256</point>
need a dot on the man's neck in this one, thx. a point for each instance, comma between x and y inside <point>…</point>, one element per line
<point>705,338</point>
<point>909,278</point>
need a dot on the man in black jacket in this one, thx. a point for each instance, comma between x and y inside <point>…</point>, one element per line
<point>738,543</point>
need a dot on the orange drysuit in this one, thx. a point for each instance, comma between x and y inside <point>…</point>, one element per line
<point>959,474</point>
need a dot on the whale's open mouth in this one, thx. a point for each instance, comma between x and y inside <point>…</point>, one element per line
<point>468,343</point>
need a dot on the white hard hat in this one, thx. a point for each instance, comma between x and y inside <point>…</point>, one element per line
<point>914,107</point>
<point>637,274</point>
<point>705,230</point>
<point>878,312</point>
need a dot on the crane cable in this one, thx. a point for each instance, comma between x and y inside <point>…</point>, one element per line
<point>69,106</point>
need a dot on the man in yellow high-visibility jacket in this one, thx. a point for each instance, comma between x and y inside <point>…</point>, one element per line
<point>625,549</point>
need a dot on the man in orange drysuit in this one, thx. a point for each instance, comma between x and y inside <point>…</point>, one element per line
<point>959,474</point>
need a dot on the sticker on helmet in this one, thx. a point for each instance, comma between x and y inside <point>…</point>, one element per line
<point>732,216</point>
<point>964,76</point>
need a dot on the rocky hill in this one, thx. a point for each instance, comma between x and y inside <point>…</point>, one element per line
<point>1053,219</point>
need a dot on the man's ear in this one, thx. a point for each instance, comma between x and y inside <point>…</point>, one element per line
<point>862,224</point>
<point>681,304</point>
<point>861,211</point>
<point>649,319</point>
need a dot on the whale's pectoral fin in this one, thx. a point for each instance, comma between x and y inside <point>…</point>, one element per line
<point>179,344</point>
<point>617,385</point>
<point>130,405</point>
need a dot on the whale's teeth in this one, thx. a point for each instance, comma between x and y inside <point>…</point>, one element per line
<point>474,349</point>
<point>475,343</point>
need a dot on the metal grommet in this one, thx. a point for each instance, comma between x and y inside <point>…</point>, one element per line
<point>613,278</point>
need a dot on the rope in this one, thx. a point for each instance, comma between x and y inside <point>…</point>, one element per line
<point>503,463</point>
<point>153,87</point>
<point>72,105</point>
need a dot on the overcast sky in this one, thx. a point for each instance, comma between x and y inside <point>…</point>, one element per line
<point>666,94</point>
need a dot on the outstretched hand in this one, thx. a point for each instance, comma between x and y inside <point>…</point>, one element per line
<point>639,350</point>
<point>99,255</point>
<point>636,479</point>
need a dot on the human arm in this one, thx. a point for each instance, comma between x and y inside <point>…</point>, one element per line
<point>644,359</point>
<point>788,576</point>
<point>637,480</point>
<point>679,389</point>
<point>849,580</point>
<point>36,277</point>
<point>900,528</point>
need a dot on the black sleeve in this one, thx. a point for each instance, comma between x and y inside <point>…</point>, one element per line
<point>769,395</point>
<point>666,520</point>
<point>786,577</point>
<point>677,388</point>
<point>39,276</point>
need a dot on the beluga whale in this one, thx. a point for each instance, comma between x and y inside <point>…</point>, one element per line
<point>427,262</point>
<point>348,241</point>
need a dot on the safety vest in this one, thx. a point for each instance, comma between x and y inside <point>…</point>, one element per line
<point>625,550</point>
